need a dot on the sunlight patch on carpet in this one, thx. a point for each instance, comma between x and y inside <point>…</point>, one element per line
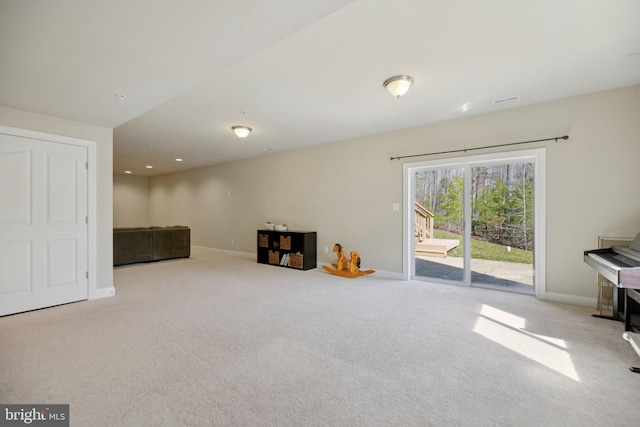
<point>508,330</point>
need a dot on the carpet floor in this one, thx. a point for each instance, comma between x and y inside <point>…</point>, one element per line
<point>219,340</point>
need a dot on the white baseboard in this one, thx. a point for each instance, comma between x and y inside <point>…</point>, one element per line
<point>379,273</point>
<point>225,251</point>
<point>571,299</point>
<point>550,296</point>
<point>102,293</point>
<point>389,275</point>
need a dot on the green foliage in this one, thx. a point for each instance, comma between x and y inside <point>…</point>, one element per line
<point>484,250</point>
<point>451,206</point>
<point>501,201</point>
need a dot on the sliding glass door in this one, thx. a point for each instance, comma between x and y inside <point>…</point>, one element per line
<point>477,221</point>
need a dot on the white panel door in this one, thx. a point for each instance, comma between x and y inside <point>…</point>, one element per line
<point>43,224</point>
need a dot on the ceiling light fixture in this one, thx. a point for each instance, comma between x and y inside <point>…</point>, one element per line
<point>241,131</point>
<point>398,85</point>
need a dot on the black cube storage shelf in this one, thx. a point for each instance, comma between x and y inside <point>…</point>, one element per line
<point>298,248</point>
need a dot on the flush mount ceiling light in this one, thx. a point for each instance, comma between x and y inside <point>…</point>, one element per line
<point>241,131</point>
<point>398,85</point>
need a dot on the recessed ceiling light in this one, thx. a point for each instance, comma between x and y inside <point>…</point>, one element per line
<point>465,107</point>
<point>149,167</point>
<point>178,160</point>
<point>504,100</point>
<point>127,171</point>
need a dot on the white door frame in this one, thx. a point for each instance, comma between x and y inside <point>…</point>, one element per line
<point>539,160</point>
<point>92,206</point>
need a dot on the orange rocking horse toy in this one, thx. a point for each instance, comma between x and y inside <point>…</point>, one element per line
<point>347,267</point>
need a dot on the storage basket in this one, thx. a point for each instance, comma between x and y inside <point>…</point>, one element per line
<point>295,260</point>
<point>263,240</point>
<point>285,242</point>
<point>274,257</point>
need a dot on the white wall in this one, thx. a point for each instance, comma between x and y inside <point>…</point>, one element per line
<point>130,201</point>
<point>104,153</point>
<point>345,190</point>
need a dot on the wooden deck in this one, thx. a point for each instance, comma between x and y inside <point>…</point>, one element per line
<point>436,247</point>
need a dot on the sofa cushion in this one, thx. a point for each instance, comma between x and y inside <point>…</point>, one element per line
<point>131,246</point>
<point>170,242</point>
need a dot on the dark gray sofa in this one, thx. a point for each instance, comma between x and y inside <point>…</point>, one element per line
<point>145,244</point>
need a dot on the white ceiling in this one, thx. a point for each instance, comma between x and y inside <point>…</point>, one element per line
<point>299,72</point>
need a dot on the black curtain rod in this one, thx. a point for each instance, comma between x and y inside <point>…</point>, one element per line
<point>464,150</point>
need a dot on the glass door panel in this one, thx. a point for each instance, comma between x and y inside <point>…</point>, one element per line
<point>502,206</point>
<point>439,223</point>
